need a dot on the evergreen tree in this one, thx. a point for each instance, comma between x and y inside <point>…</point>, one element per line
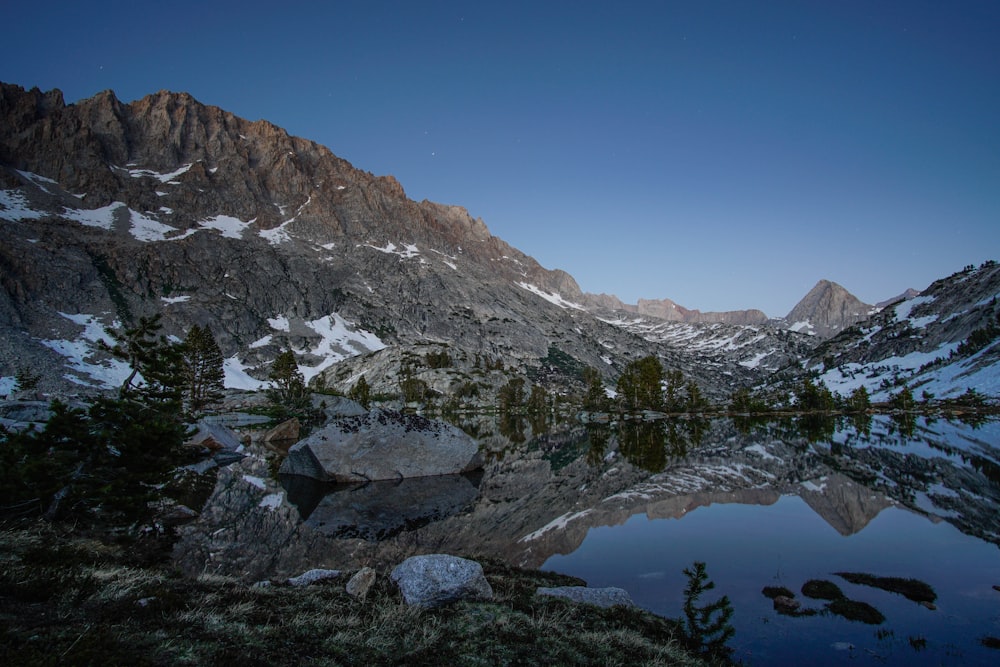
<point>673,400</point>
<point>859,400</point>
<point>289,388</point>
<point>695,400</point>
<point>155,368</point>
<point>640,386</point>
<point>595,398</point>
<point>361,392</point>
<point>707,626</point>
<point>203,368</point>
<point>511,395</point>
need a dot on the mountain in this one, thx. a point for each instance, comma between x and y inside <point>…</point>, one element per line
<point>669,311</point>
<point>110,211</point>
<point>825,310</point>
<point>164,206</point>
<point>943,342</point>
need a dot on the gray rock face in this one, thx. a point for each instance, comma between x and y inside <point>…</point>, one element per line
<point>359,585</point>
<point>382,445</point>
<point>602,597</point>
<point>827,309</point>
<point>439,579</point>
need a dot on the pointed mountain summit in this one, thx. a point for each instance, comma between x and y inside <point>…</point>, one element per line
<point>826,310</point>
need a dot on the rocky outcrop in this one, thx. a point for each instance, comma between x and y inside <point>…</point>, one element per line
<point>439,579</point>
<point>383,445</point>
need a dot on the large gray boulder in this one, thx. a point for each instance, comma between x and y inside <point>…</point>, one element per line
<point>382,444</point>
<point>439,579</point>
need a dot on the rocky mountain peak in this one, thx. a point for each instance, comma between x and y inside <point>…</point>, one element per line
<point>827,309</point>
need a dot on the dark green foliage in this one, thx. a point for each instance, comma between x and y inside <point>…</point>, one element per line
<point>707,626</point>
<point>673,392</point>
<point>361,392</point>
<point>978,339</point>
<point>859,400</point>
<point>640,385</point>
<point>27,380</point>
<point>821,589</point>
<point>511,395</point>
<point>413,389</point>
<point>594,397</point>
<point>103,461</point>
<point>745,401</point>
<point>814,398</point>
<point>157,373</point>
<point>696,402</point>
<point>911,589</point>
<point>288,385</point>
<point>438,359</point>
<point>903,399</point>
<point>203,369</point>
<point>642,444</point>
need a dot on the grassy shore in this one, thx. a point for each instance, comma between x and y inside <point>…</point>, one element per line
<point>72,598</point>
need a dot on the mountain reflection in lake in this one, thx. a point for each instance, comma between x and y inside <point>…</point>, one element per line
<point>634,503</point>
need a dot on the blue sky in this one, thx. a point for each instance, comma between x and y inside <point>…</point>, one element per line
<point>723,154</point>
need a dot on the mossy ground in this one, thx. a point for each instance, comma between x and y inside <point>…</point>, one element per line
<point>67,598</point>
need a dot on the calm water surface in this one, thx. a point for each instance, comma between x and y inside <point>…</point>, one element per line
<point>635,503</point>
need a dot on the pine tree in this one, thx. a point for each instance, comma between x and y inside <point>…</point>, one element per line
<point>155,368</point>
<point>640,385</point>
<point>203,368</point>
<point>707,627</point>
<point>361,392</point>
<point>289,387</point>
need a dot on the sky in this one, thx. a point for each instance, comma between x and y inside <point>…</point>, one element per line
<point>723,154</point>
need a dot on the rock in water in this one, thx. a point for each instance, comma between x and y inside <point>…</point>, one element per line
<point>383,444</point>
<point>439,579</point>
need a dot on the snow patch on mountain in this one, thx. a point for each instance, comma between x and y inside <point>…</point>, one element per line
<point>14,207</point>
<point>551,297</point>
<point>228,226</point>
<point>81,353</point>
<point>408,251</point>
<point>161,177</point>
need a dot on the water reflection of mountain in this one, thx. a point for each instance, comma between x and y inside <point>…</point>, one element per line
<point>540,497</point>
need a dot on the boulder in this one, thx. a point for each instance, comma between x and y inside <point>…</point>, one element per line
<point>602,597</point>
<point>335,407</point>
<point>361,582</point>
<point>215,437</point>
<point>382,444</point>
<point>439,579</point>
<point>312,576</point>
<point>284,434</point>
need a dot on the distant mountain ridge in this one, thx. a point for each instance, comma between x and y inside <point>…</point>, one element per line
<point>110,211</point>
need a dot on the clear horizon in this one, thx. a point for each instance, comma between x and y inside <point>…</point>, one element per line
<point>723,155</point>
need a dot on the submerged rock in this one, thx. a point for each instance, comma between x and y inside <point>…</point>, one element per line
<point>439,579</point>
<point>383,444</point>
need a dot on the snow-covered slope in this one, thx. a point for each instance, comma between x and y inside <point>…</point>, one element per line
<point>942,342</point>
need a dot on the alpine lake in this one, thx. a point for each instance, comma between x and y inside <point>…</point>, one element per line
<point>853,506</point>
